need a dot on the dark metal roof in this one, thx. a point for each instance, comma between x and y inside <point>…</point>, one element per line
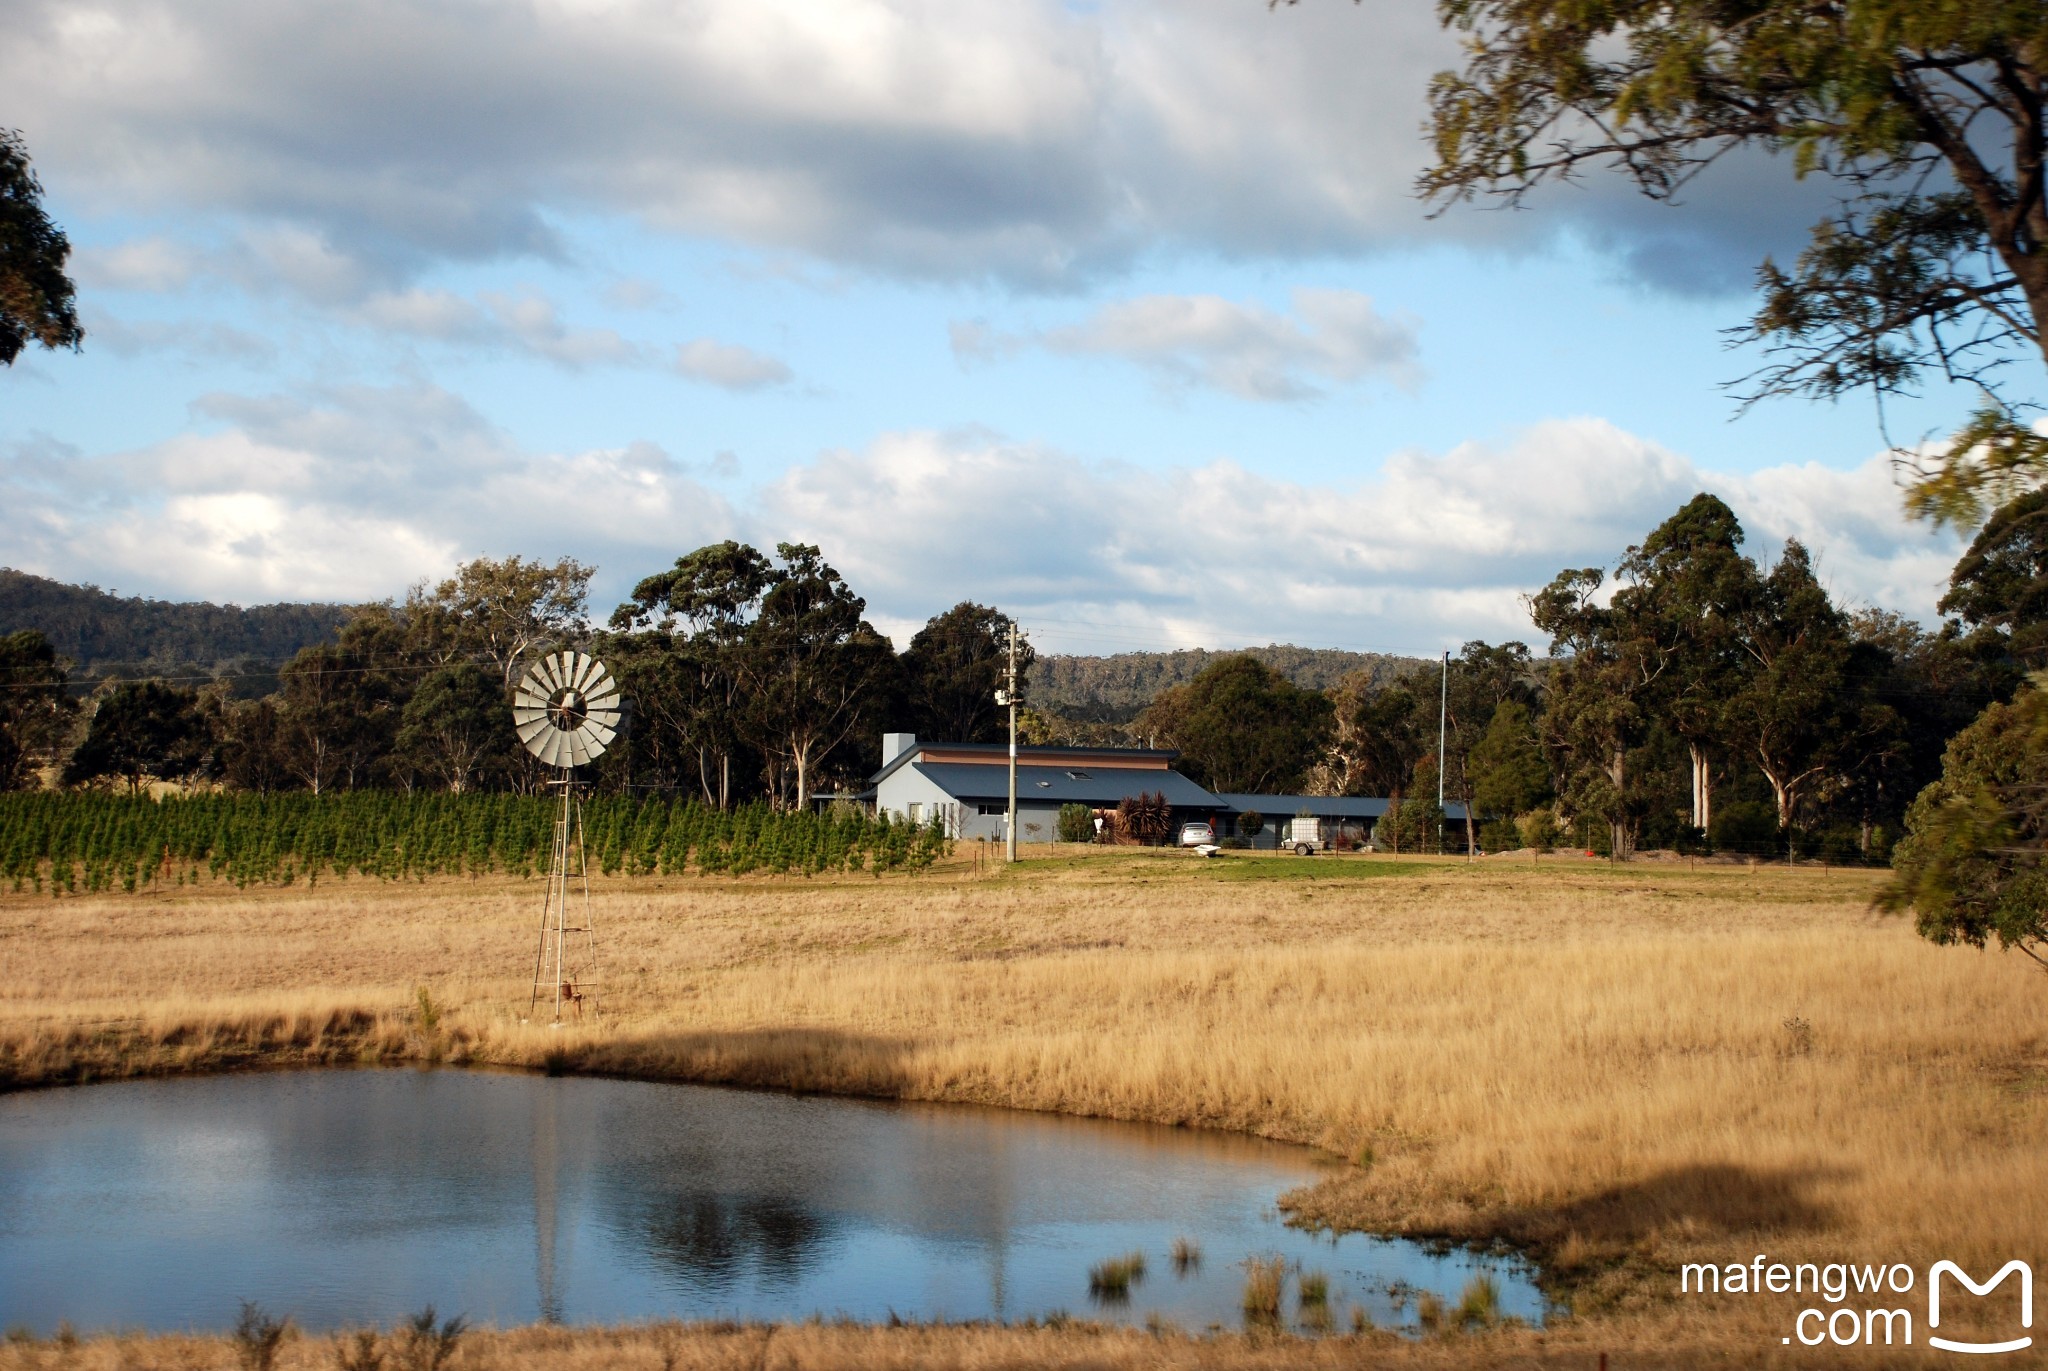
<point>1324,806</point>
<point>1026,755</point>
<point>1099,786</point>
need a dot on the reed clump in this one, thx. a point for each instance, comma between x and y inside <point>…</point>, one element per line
<point>1111,1280</point>
<point>1265,1286</point>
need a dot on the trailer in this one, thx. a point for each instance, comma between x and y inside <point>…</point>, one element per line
<point>1304,834</point>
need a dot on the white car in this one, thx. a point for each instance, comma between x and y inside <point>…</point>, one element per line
<point>1197,835</point>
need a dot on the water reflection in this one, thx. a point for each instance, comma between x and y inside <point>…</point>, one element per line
<point>347,1197</point>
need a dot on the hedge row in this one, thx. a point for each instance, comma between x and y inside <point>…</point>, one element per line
<point>70,841</point>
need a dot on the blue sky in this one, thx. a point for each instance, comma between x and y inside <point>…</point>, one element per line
<point>1119,316</point>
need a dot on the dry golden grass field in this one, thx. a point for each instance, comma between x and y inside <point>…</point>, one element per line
<point>1616,1069</point>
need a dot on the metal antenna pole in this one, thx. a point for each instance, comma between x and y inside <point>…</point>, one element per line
<point>1443,713</point>
<point>1010,696</point>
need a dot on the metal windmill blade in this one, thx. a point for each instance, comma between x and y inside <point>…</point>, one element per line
<point>566,709</point>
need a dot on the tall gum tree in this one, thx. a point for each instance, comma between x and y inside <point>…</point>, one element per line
<point>1927,116</point>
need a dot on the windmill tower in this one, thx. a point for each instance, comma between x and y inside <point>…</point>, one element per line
<point>566,710</point>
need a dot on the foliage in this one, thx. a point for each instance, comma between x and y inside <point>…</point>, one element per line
<point>1251,823</point>
<point>1499,835</point>
<point>140,729</point>
<point>1242,727</point>
<point>1076,824</point>
<point>1970,864</point>
<point>1509,772</point>
<point>456,723</point>
<point>1926,117</point>
<point>2000,586</point>
<point>1539,829</point>
<point>33,705</point>
<point>1411,826</point>
<point>1144,817</point>
<point>257,1337</point>
<point>91,841</point>
<point>1748,827</point>
<point>1118,688</point>
<point>36,296</point>
<point>952,670</point>
<point>426,1345</point>
<point>500,611</point>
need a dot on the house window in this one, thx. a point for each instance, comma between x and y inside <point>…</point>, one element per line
<point>998,808</point>
<point>916,812</point>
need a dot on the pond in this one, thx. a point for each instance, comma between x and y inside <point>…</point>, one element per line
<point>355,1197</point>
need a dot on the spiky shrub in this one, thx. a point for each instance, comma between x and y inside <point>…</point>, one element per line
<point>424,1345</point>
<point>1146,816</point>
<point>257,1337</point>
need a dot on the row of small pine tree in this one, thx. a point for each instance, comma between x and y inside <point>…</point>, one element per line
<point>67,841</point>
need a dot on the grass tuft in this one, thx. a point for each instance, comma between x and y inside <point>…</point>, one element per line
<point>1111,1281</point>
<point>1265,1284</point>
<point>1187,1256</point>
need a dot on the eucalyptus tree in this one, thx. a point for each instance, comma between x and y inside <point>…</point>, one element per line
<point>1927,119</point>
<point>1387,742</point>
<point>457,726</point>
<point>500,611</point>
<point>1242,726</point>
<point>813,669</point>
<point>34,708</point>
<point>1971,865</point>
<point>37,299</point>
<point>952,670</point>
<point>1693,577</point>
<point>684,669</point>
<point>1612,658</point>
<point>1804,714</point>
<point>1478,683</point>
<point>138,731</point>
<point>1999,589</point>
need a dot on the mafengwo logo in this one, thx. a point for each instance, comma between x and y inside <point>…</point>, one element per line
<point>1868,1321</point>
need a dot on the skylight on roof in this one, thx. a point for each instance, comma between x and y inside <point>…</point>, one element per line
<point>1077,775</point>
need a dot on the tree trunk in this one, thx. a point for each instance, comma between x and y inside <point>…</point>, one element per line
<point>1617,827</point>
<point>1782,792</point>
<point>1702,788</point>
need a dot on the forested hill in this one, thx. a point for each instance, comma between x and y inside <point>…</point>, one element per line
<point>107,634</point>
<point>1114,689</point>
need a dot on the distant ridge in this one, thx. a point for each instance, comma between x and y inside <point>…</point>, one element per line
<point>115,635</point>
<point>1115,689</point>
<point>130,635</point>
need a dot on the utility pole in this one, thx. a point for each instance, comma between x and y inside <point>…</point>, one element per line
<point>1008,696</point>
<point>1443,714</point>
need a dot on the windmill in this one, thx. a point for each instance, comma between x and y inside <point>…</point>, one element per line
<point>566,710</point>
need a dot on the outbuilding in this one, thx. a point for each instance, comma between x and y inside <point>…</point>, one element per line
<point>966,785</point>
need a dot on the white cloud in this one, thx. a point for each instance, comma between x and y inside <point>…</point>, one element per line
<point>730,366</point>
<point>344,494</point>
<point>1030,140</point>
<point>154,263</point>
<point>1246,350</point>
<point>353,493</point>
